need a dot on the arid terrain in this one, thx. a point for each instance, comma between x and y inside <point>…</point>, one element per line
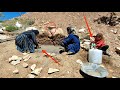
<point>69,68</point>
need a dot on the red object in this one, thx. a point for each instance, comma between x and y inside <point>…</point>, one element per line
<point>44,51</point>
<point>99,43</point>
<point>88,26</point>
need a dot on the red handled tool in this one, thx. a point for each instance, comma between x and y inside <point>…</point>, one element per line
<point>88,26</point>
<point>44,51</point>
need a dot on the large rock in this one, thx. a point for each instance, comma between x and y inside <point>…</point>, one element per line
<point>33,67</point>
<point>51,70</point>
<point>36,71</point>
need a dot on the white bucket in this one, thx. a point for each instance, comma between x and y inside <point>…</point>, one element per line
<point>95,56</point>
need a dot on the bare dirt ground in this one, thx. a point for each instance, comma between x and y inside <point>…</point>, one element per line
<point>69,69</point>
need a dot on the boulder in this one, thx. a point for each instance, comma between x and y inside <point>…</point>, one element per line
<point>51,70</point>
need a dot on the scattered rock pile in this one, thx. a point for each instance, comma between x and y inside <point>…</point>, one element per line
<point>111,20</point>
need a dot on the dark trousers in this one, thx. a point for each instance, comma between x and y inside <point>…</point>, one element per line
<point>104,48</point>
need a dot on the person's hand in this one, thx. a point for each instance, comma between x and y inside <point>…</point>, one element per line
<point>37,47</point>
<point>91,39</point>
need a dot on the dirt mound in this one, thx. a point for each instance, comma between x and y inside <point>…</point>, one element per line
<point>44,39</point>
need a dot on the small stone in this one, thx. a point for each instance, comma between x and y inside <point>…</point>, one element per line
<point>53,54</point>
<point>27,58</point>
<point>25,65</point>
<point>118,37</point>
<point>68,72</point>
<point>79,61</point>
<point>31,76</point>
<point>117,50</point>
<point>19,59</point>
<point>15,62</point>
<point>51,70</point>
<point>33,67</point>
<point>102,66</point>
<point>36,71</point>
<point>81,30</point>
<point>24,53</point>
<point>114,77</point>
<point>16,71</point>
<point>112,30</point>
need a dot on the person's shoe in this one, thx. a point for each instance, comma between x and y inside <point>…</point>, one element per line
<point>61,51</point>
<point>105,53</point>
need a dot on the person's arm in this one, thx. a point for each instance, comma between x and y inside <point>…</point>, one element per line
<point>34,39</point>
<point>99,44</point>
<point>67,40</point>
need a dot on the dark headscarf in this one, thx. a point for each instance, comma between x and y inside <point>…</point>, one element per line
<point>70,30</point>
<point>36,32</point>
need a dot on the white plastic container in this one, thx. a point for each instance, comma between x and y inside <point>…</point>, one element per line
<point>95,56</point>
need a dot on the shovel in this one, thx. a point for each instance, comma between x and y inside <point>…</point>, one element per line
<point>44,51</point>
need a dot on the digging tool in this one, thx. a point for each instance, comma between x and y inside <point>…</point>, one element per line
<point>88,26</point>
<point>44,51</point>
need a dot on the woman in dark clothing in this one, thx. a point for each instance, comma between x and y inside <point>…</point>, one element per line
<point>71,43</point>
<point>26,41</point>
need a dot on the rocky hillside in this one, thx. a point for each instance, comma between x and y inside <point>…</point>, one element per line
<point>76,19</point>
